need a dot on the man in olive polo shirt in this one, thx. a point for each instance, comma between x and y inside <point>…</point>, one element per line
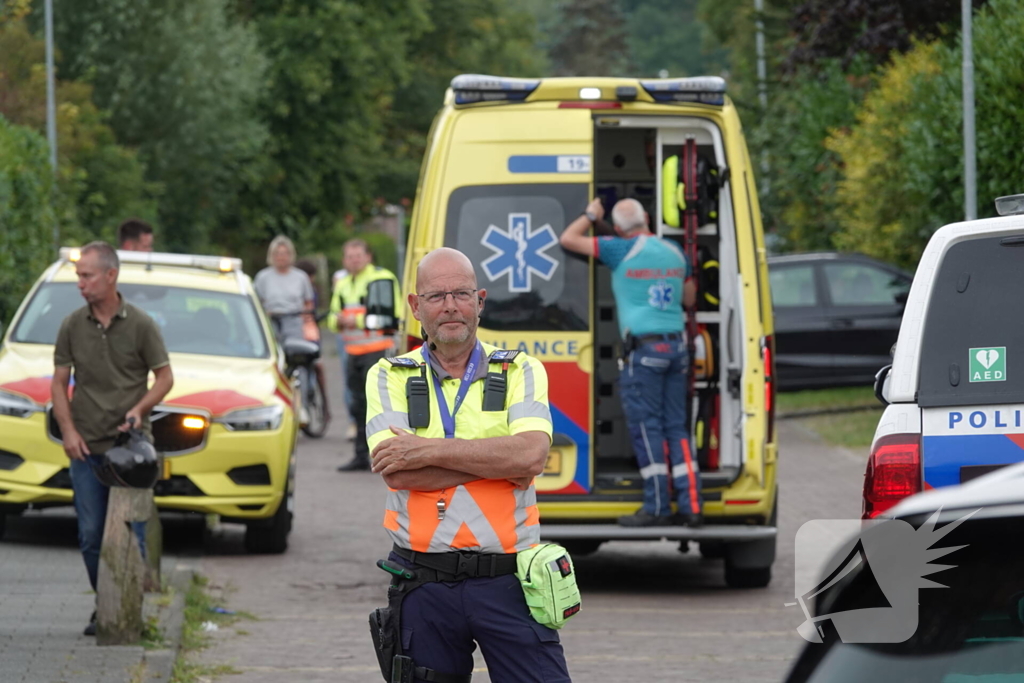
<point>112,347</point>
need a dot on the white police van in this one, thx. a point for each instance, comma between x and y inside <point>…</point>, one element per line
<point>955,389</point>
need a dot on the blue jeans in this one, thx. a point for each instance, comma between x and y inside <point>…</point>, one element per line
<point>653,385</point>
<point>91,497</point>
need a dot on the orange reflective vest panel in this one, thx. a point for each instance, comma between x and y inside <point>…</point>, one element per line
<point>488,515</point>
<point>349,302</point>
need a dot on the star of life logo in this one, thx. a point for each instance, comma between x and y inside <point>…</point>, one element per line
<point>887,557</point>
<point>519,252</point>
<point>659,295</point>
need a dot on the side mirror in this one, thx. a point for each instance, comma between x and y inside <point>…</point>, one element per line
<point>880,379</point>
<point>380,306</point>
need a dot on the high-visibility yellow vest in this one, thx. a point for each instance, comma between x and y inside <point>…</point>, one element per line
<point>488,515</point>
<point>349,299</point>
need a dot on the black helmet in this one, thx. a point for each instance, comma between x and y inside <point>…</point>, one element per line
<point>132,462</point>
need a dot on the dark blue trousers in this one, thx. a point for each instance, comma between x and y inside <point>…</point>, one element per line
<point>443,622</point>
<point>653,386</point>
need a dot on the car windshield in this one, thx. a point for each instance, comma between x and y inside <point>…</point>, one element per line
<point>190,320</point>
<point>971,336</point>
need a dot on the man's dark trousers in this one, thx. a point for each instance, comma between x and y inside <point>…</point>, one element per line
<point>359,366</point>
<point>441,621</point>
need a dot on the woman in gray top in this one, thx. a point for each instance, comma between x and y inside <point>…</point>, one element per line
<point>284,290</point>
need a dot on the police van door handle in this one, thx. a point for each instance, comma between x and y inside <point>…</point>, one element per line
<point>842,323</point>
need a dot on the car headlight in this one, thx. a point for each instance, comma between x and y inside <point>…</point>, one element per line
<point>14,405</point>
<point>253,419</point>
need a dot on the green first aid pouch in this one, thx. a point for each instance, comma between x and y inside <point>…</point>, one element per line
<point>549,583</point>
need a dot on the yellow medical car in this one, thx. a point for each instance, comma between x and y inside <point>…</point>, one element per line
<point>510,163</point>
<point>228,427</point>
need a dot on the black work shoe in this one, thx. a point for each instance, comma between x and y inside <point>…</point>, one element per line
<point>645,519</point>
<point>355,465</point>
<point>90,630</point>
<point>688,519</point>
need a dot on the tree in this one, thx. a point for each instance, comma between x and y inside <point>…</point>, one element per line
<point>460,36</point>
<point>903,160</point>
<point>867,29</point>
<point>181,83</point>
<point>334,67</point>
<point>99,181</point>
<point>589,39</point>
<point>667,34</point>
<point>26,213</point>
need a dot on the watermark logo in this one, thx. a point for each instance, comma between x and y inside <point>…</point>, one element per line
<point>888,559</point>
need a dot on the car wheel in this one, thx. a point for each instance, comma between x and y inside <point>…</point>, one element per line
<point>270,536</point>
<point>3,523</point>
<point>758,577</point>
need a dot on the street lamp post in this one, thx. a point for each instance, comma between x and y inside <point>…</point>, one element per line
<point>51,105</point>
<point>970,160</point>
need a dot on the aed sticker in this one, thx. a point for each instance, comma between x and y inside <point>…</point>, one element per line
<point>988,364</point>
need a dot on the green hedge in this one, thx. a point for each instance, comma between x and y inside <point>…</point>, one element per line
<point>26,213</point>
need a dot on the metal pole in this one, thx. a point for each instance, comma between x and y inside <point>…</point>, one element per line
<point>762,72</point>
<point>970,160</point>
<point>762,89</point>
<point>51,105</point>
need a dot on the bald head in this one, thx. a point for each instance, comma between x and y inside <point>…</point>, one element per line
<point>449,321</point>
<point>444,262</point>
<point>629,215</point>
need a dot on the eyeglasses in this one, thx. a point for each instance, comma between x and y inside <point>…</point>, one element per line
<point>462,296</point>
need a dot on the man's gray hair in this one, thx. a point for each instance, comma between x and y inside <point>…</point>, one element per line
<point>105,253</point>
<point>629,215</point>
<point>280,241</point>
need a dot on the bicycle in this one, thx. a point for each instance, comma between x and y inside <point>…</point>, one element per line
<point>301,356</point>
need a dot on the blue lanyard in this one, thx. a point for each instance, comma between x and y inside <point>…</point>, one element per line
<point>448,419</point>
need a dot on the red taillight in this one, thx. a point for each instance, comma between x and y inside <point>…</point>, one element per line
<point>893,473</point>
<point>412,343</point>
<point>767,354</point>
<point>590,105</point>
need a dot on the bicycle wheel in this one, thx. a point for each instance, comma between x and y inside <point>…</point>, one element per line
<point>313,401</point>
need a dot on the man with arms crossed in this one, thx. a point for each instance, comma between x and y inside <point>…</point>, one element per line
<point>461,501</point>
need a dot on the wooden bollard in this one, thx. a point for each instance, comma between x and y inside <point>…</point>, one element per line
<point>154,548</point>
<point>123,572</point>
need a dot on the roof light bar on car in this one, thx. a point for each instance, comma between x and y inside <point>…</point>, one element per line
<point>700,89</point>
<point>220,263</point>
<point>472,88</point>
<point>1011,205</point>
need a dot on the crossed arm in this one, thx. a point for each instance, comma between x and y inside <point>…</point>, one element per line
<point>417,463</point>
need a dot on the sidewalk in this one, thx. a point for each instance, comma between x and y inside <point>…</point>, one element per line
<point>45,603</point>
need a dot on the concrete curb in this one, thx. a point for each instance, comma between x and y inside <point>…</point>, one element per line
<point>159,664</point>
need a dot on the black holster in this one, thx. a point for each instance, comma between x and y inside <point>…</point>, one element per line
<point>386,632</point>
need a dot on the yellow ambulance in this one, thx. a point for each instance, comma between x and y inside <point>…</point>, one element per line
<point>510,163</point>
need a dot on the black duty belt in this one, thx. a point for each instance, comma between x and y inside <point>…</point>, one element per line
<point>462,565</point>
<point>655,338</point>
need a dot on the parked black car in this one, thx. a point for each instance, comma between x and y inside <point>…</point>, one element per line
<point>837,317</point>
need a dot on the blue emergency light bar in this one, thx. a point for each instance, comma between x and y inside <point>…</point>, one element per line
<point>472,88</point>
<point>699,89</point>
